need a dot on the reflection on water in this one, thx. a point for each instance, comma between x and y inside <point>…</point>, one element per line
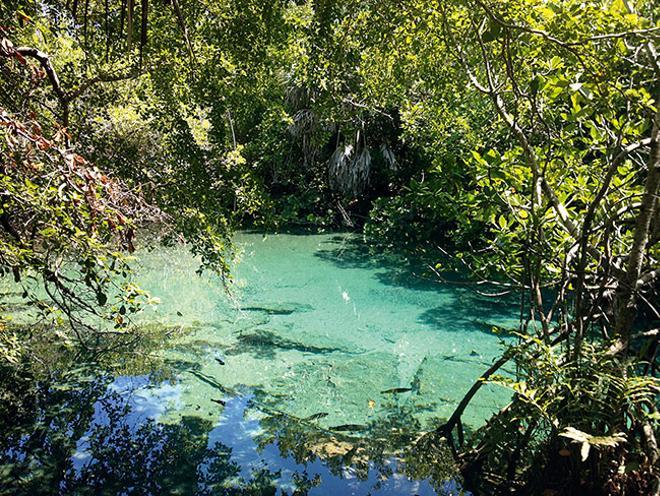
<point>107,436</point>
<point>316,376</point>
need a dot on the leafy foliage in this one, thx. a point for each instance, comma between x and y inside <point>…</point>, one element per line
<point>561,409</point>
<point>521,136</point>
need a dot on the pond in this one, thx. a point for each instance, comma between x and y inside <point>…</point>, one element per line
<point>315,375</point>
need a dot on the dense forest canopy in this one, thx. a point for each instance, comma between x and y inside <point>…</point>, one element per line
<point>514,143</point>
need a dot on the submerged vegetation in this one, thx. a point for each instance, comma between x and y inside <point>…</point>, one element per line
<point>513,145</point>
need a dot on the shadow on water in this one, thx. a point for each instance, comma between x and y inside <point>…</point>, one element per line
<point>463,307</point>
<point>104,435</point>
<point>403,270</point>
<point>351,252</point>
<point>470,310</point>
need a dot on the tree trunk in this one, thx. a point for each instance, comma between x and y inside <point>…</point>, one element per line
<point>626,298</point>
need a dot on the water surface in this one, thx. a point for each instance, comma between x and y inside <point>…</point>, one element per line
<point>315,374</point>
<point>318,325</point>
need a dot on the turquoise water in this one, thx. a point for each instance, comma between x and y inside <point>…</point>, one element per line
<point>318,326</point>
<point>316,373</point>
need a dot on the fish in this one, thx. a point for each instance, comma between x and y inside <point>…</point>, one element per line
<point>396,390</point>
<point>219,402</point>
<point>269,311</point>
<point>316,416</point>
<point>349,427</point>
<point>220,360</point>
<point>280,309</point>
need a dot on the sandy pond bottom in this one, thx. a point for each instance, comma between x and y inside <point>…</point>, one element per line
<point>308,377</point>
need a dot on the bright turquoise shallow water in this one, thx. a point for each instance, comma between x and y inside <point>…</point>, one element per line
<point>317,325</point>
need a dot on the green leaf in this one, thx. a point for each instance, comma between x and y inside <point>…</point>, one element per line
<point>102,298</point>
<point>493,32</point>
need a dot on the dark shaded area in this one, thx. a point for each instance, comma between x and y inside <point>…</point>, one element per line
<point>404,269</point>
<point>469,309</point>
<point>351,252</point>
